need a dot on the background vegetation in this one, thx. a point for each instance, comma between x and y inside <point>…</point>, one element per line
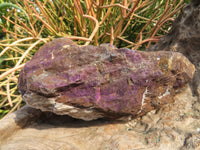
<point>26,25</point>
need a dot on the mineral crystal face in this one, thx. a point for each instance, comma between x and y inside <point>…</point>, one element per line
<point>90,82</point>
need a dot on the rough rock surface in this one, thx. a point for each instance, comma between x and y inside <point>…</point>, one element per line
<point>92,82</point>
<point>174,127</point>
<point>184,37</point>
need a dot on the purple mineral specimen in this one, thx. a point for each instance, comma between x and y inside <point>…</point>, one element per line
<point>90,82</point>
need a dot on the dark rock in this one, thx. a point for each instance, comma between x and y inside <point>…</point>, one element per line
<point>90,82</point>
<point>184,37</point>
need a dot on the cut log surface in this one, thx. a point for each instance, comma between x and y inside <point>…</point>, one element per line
<point>173,127</point>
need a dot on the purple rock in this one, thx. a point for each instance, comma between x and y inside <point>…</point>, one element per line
<point>90,82</point>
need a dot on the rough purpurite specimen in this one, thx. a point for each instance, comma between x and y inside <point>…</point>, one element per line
<point>90,82</point>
